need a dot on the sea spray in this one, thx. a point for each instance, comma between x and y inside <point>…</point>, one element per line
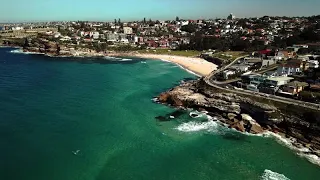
<point>194,126</point>
<point>270,175</point>
<point>20,51</point>
<point>213,127</point>
<point>303,151</point>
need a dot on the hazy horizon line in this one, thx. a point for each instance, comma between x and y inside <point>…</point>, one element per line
<point>147,19</point>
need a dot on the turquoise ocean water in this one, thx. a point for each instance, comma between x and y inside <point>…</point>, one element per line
<point>52,107</point>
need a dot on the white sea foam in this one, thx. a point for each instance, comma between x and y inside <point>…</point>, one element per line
<point>16,51</point>
<point>126,60</point>
<point>311,157</point>
<point>193,126</point>
<point>20,51</point>
<point>191,72</point>
<point>155,99</point>
<point>165,60</point>
<point>198,114</point>
<point>212,126</point>
<point>303,151</point>
<point>110,57</point>
<point>270,175</point>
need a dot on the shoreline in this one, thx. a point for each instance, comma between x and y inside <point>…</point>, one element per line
<point>194,65</point>
<point>220,108</point>
<point>176,59</point>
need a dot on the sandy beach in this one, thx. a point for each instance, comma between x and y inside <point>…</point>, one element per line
<point>199,66</point>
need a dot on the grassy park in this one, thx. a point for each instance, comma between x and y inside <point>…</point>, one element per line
<point>187,53</point>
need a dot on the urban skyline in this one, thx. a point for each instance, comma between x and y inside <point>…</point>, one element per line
<point>129,10</point>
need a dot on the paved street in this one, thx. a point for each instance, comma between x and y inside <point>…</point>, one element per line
<point>209,80</point>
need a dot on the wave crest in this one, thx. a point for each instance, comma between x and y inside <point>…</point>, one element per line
<point>270,175</point>
<point>193,126</point>
<point>20,51</point>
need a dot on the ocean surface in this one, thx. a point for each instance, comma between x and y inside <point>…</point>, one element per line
<point>94,119</point>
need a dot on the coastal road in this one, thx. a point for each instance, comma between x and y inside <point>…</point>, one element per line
<point>238,79</point>
<point>208,79</point>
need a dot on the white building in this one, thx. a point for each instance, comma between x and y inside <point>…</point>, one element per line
<point>227,73</point>
<point>313,64</point>
<point>127,30</point>
<point>278,81</point>
<point>184,23</point>
<point>111,37</point>
<point>65,38</point>
<point>241,68</point>
<point>136,39</point>
<point>94,35</point>
<point>56,35</point>
<point>268,62</point>
<point>288,69</point>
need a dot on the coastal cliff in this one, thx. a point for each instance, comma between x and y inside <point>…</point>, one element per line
<point>249,114</point>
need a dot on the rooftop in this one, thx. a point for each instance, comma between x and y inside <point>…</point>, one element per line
<point>280,78</point>
<point>297,83</point>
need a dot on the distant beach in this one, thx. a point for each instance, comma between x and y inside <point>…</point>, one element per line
<point>197,65</point>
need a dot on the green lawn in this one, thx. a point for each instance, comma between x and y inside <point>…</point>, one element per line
<point>229,55</point>
<point>187,53</point>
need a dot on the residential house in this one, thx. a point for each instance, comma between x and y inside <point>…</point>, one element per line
<point>271,85</point>
<point>284,55</point>
<point>227,73</point>
<point>240,67</point>
<point>313,63</point>
<point>296,47</point>
<point>127,30</point>
<point>56,35</point>
<point>268,62</point>
<point>292,67</point>
<point>278,81</point>
<point>112,37</point>
<point>247,78</point>
<point>94,35</point>
<point>65,38</point>
<point>314,46</point>
<point>293,88</point>
<point>102,36</point>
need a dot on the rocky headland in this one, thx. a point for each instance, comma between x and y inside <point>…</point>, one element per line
<point>248,114</point>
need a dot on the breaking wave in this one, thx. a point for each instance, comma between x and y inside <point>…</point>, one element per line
<point>16,51</point>
<point>126,60</point>
<point>270,175</point>
<point>20,51</point>
<point>193,126</point>
<point>303,152</point>
<point>214,126</point>
<point>191,72</point>
<point>112,58</point>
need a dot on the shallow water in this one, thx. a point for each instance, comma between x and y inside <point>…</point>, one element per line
<point>52,107</point>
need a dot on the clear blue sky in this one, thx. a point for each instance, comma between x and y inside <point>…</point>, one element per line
<point>106,10</point>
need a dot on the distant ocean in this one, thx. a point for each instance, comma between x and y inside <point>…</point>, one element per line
<point>94,119</point>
